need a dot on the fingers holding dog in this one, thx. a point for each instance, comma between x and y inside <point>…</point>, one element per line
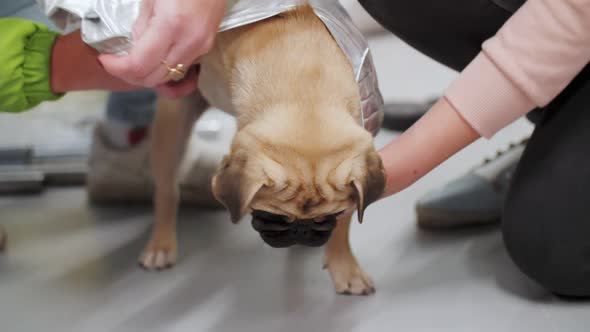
<point>167,30</point>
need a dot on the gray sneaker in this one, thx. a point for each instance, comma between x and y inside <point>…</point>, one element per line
<point>475,198</point>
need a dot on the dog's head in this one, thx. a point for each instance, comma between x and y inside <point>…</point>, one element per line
<point>295,181</point>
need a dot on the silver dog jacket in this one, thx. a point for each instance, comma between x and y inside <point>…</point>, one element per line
<point>107,26</point>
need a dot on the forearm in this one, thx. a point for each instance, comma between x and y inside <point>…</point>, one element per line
<point>75,67</point>
<point>38,65</point>
<point>438,135</point>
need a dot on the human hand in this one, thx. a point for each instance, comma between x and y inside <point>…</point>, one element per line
<point>437,136</point>
<point>168,32</point>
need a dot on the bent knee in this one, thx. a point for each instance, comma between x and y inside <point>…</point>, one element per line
<point>558,262</point>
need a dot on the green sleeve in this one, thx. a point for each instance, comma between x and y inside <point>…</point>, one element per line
<point>25,64</point>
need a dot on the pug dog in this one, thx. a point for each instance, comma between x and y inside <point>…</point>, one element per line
<point>300,162</point>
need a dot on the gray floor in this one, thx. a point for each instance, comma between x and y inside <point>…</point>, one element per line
<point>71,267</point>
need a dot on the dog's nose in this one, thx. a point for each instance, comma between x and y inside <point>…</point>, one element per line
<point>300,231</point>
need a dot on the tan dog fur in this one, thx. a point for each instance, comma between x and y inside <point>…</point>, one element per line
<point>299,150</point>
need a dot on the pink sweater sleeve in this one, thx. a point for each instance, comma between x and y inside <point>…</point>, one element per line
<point>533,57</point>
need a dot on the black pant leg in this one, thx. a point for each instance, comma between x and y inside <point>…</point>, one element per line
<point>546,222</point>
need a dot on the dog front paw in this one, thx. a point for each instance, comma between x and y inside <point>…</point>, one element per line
<point>160,253</point>
<point>348,277</point>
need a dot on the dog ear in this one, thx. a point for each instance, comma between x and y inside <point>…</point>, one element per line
<point>235,184</point>
<point>370,185</point>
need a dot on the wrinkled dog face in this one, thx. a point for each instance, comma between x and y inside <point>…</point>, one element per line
<point>296,188</point>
